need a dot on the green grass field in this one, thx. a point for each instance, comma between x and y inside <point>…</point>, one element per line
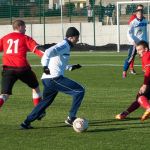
<point>106,95</point>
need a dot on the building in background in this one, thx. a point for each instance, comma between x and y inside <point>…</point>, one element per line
<point>79,3</point>
<point>56,3</point>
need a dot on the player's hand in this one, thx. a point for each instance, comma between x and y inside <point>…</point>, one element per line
<point>143,89</point>
<point>46,70</point>
<point>73,67</point>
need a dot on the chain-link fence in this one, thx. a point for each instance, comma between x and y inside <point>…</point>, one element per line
<point>39,11</point>
<point>48,21</point>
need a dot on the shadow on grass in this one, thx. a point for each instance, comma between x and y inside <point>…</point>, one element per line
<point>106,130</point>
<point>126,124</point>
<point>47,127</point>
<point>110,122</point>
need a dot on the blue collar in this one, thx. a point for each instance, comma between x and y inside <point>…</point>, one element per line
<point>140,19</point>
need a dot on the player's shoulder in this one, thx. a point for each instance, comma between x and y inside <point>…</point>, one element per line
<point>132,17</point>
<point>146,56</point>
<point>7,35</point>
<point>14,35</point>
<point>62,43</point>
<point>27,38</point>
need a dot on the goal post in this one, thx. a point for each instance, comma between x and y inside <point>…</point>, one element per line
<point>120,6</point>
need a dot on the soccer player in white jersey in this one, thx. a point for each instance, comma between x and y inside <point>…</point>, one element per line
<point>137,32</point>
<point>55,61</point>
<point>132,17</point>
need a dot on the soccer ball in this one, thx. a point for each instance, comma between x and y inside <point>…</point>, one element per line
<point>80,125</point>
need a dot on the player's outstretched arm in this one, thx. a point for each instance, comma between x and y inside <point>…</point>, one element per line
<point>45,46</point>
<point>73,67</point>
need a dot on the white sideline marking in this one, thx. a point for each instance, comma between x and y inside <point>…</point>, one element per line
<point>99,55</point>
<point>88,55</point>
<point>95,65</point>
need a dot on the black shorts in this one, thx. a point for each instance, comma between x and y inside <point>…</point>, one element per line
<point>146,94</point>
<point>10,76</point>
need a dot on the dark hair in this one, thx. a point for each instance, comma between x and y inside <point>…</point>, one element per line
<point>139,5</point>
<point>143,43</point>
<point>139,10</point>
<point>18,23</point>
<point>72,31</point>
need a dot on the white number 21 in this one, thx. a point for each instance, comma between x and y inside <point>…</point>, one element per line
<point>12,43</point>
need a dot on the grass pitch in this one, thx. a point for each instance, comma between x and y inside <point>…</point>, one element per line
<point>106,95</point>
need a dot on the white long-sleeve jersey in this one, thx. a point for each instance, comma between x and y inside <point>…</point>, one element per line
<point>56,58</point>
<point>137,30</point>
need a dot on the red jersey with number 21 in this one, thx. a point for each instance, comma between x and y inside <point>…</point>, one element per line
<point>15,46</point>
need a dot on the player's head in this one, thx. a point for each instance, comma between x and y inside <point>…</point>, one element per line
<point>72,34</point>
<point>139,13</point>
<point>142,47</point>
<point>19,26</point>
<point>139,7</point>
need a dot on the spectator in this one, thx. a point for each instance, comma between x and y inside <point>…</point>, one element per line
<point>101,13</point>
<point>90,13</point>
<point>109,12</point>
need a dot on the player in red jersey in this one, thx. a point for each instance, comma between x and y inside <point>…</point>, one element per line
<point>144,93</point>
<point>15,46</point>
<point>132,17</point>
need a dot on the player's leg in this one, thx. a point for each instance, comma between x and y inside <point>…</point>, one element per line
<point>144,103</point>
<point>141,100</point>
<point>36,95</point>
<point>131,55</point>
<point>3,98</point>
<point>7,83</point>
<point>48,97</point>
<point>74,89</point>
<point>30,79</point>
<point>111,21</point>
<point>107,20</point>
<point>134,106</point>
<point>132,71</point>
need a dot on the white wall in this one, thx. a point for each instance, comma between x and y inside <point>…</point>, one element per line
<point>104,34</point>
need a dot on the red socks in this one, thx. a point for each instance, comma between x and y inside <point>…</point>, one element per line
<point>135,105</point>
<point>1,102</point>
<point>36,101</point>
<point>143,101</point>
<point>132,64</point>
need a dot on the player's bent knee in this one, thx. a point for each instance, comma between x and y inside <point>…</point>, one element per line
<point>4,96</point>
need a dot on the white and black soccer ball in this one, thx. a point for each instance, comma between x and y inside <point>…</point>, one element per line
<point>80,125</point>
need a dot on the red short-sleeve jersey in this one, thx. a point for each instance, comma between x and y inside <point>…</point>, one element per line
<point>132,17</point>
<point>15,47</point>
<point>146,66</point>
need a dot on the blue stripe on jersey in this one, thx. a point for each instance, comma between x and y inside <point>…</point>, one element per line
<point>66,54</point>
<point>142,24</point>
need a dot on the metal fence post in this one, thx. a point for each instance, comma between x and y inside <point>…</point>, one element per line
<point>10,13</point>
<point>44,18</point>
<point>40,5</point>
